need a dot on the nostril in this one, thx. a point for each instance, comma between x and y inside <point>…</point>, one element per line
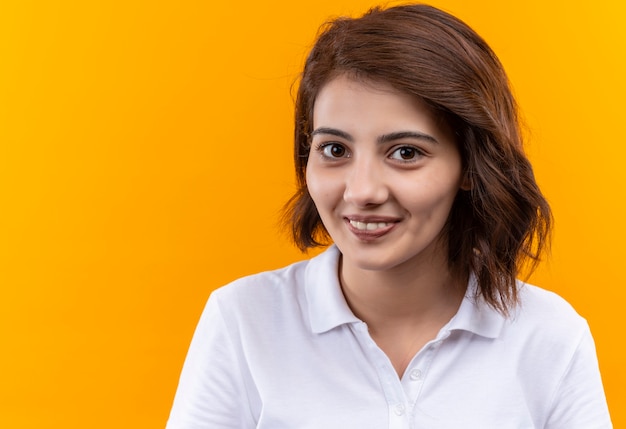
<point>366,192</point>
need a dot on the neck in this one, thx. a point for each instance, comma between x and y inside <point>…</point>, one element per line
<point>404,308</point>
<point>405,296</point>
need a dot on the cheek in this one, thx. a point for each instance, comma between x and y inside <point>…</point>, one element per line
<point>447,183</point>
<point>311,182</point>
<point>322,185</point>
<point>432,198</point>
<point>315,187</point>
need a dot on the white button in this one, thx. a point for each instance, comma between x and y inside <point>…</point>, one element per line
<point>416,374</point>
<point>399,409</point>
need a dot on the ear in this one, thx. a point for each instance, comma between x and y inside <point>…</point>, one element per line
<point>466,183</point>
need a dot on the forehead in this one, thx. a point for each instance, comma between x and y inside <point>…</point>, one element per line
<point>362,105</point>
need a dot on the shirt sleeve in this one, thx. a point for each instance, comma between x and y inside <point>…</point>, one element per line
<point>211,392</point>
<point>580,402</point>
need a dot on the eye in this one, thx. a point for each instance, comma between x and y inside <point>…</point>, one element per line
<point>406,153</point>
<point>333,150</point>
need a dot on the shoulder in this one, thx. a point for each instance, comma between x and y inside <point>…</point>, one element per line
<point>267,286</point>
<point>545,324</point>
<point>546,308</point>
<point>280,293</point>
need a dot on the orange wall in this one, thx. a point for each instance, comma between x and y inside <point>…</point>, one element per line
<point>145,153</point>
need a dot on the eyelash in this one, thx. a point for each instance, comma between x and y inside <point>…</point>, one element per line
<point>322,149</point>
<point>418,154</point>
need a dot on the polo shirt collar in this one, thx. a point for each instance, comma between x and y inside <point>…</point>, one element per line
<point>327,307</point>
<point>474,315</point>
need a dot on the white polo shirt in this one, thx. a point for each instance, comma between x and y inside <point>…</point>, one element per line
<point>282,349</point>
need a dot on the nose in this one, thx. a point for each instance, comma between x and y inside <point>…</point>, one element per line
<point>365,183</point>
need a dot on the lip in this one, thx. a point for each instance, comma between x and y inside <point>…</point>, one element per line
<point>370,235</point>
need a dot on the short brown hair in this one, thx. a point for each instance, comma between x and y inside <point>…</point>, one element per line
<point>503,222</point>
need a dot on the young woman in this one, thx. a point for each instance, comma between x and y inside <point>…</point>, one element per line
<point>409,160</point>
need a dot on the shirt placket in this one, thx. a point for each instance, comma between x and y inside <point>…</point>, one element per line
<point>415,375</point>
<point>402,395</point>
<point>397,403</point>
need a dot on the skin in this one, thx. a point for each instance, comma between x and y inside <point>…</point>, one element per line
<point>383,172</point>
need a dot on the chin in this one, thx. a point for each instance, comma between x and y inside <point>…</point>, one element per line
<point>390,256</point>
<point>377,260</point>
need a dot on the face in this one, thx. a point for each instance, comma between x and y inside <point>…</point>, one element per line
<point>383,172</point>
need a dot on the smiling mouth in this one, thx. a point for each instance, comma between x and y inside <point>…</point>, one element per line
<point>369,226</point>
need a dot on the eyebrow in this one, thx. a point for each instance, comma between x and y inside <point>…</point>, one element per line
<point>406,135</point>
<point>385,138</point>
<point>333,132</point>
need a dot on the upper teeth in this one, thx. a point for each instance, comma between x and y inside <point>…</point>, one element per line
<point>369,226</point>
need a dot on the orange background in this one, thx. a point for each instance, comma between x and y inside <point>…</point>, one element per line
<point>145,152</point>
